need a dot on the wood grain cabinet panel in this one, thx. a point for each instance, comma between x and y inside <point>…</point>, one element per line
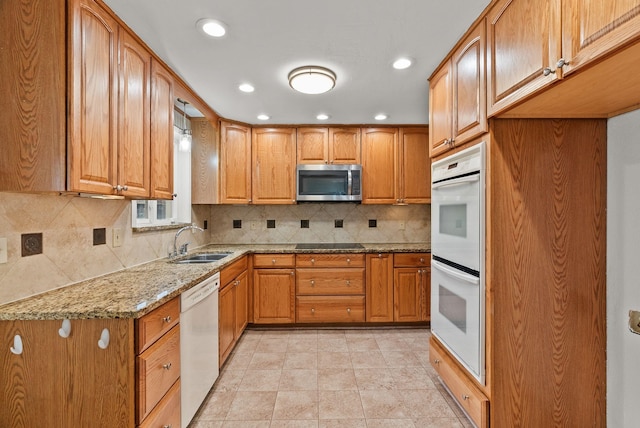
<point>379,172</point>
<point>330,309</point>
<point>413,185</point>
<point>411,287</point>
<point>379,277</point>
<point>344,146</point>
<point>440,109</point>
<point>167,412</point>
<point>233,305</point>
<point>312,145</point>
<point>235,163</point>
<point>156,323</point>
<point>161,132</point>
<point>205,149</point>
<point>273,296</point>
<point>273,152</point>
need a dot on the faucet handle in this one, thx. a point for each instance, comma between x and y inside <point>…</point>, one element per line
<point>184,248</point>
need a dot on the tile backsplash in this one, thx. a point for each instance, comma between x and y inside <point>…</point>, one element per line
<point>68,254</point>
<point>410,223</point>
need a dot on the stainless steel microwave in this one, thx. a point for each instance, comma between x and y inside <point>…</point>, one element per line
<point>329,183</point>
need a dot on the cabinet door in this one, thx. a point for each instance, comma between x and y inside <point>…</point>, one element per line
<point>379,299</point>
<point>591,28</point>
<point>134,118</point>
<point>161,132</point>
<point>469,87</point>
<point>440,110</point>
<point>426,295</point>
<point>94,100</point>
<point>379,165</point>
<point>242,304</point>
<point>407,294</point>
<point>235,164</point>
<point>273,152</point>
<point>204,162</point>
<point>33,130</point>
<point>523,38</point>
<point>414,183</point>
<point>227,320</point>
<point>273,296</point>
<point>344,146</point>
<point>312,145</point>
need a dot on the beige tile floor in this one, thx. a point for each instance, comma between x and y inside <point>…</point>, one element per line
<point>329,378</point>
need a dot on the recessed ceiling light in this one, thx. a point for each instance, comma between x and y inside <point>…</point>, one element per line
<point>263,117</point>
<point>246,87</point>
<point>380,116</point>
<point>212,27</point>
<point>322,116</point>
<point>402,63</point>
<point>312,79</point>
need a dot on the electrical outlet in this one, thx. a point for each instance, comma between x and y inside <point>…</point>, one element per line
<point>117,237</point>
<point>3,250</point>
<point>401,225</point>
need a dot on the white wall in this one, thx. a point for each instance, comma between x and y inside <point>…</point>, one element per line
<point>623,269</point>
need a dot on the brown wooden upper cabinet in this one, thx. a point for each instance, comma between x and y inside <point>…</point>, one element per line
<point>413,185</point>
<point>457,95</point>
<point>328,145</point>
<point>273,153</point>
<point>102,145</point>
<point>235,163</point>
<point>161,132</point>
<point>533,44</point>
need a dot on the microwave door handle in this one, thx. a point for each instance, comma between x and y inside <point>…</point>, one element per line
<point>456,181</point>
<point>349,183</point>
<point>456,274</point>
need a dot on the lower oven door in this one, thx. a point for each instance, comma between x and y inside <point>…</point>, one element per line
<point>457,315</point>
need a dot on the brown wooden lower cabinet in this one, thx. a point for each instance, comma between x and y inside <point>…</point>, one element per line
<point>379,301</point>
<point>411,287</point>
<point>233,306</point>
<point>273,289</point>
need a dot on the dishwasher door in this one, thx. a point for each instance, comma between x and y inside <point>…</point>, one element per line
<point>198,345</point>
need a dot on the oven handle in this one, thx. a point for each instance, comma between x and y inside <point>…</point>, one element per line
<point>455,273</point>
<point>456,181</point>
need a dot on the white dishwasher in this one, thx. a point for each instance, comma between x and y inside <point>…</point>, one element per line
<point>198,345</point>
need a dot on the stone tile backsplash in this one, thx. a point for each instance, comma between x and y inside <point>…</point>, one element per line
<point>69,256</point>
<point>410,223</point>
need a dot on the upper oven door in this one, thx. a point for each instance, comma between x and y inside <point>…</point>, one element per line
<point>455,221</point>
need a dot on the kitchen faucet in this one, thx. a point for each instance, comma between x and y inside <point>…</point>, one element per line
<point>183,247</point>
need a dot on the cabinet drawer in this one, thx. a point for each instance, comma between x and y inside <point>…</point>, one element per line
<point>158,369</point>
<point>152,326</point>
<point>230,272</point>
<point>474,402</point>
<point>330,260</point>
<point>167,412</point>
<point>411,259</point>
<point>329,309</point>
<point>330,281</point>
<point>273,260</point>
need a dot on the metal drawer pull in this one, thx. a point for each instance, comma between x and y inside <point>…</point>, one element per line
<point>273,261</point>
<point>313,311</point>
<point>348,282</point>
<point>313,260</point>
<point>166,366</point>
<point>348,260</point>
<point>167,319</point>
<point>313,283</point>
<point>421,259</point>
<point>465,397</point>
<point>436,361</point>
<point>348,310</point>
<point>166,426</point>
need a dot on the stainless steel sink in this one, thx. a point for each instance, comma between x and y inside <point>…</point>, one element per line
<point>203,258</point>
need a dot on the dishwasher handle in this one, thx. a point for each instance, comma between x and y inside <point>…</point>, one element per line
<point>199,292</point>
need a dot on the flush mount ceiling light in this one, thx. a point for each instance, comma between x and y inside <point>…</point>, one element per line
<point>322,116</point>
<point>263,117</point>
<point>211,27</point>
<point>246,87</point>
<point>402,63</point>
<point>312,79</point>
<point>381,116</point>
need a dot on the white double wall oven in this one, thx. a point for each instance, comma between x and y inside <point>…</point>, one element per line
<point>457,250</point>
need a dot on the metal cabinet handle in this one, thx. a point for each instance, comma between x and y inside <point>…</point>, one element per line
<point>421,259</point>
<point>313,283</point>
<point>313,311</point>
<point>348,260</point>
<point>167,319</point>
<point>313,260</point>
<point>436,361</point>
<point>167,426</point>
<point>166,366</point>
<point>561,63</point>
<point>273,261</point>
<point>349,310</point>
<point>348,282</point>
<point>292,273</point>
<point>379,255</point>
<point>547,71</point>
<point>119,188</point>
<point>465,397</point>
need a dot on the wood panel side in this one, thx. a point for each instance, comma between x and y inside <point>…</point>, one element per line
<point>547,272</point>
<point>33,68</point>
<point>205,151</point>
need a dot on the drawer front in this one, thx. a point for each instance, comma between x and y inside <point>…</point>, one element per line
<point>274,260</point>
<point>158,369</point>
<point>152,326</point>
<point>330,281</point>
<point>330,260</point>
<point>474,402</point>
<point>411,259</point>
<point>230,272</point>
<point>167,412</point>
<point>319,309</point>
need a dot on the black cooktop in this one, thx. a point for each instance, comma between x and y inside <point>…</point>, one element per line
<point>330,246</point>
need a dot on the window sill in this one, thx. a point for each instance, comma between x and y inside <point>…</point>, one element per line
<point>157,228</point>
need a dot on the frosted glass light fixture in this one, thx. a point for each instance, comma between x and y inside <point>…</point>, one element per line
<point>211,27</point>
<point>402,63</point>
<point>312,79</point>
<point>185,139</point>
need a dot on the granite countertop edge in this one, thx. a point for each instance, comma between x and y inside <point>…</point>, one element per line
<point>135,291</point>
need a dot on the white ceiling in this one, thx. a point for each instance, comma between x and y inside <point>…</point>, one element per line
<point>266,39</point>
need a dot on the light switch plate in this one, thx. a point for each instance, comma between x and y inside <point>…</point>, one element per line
<point>634,321</point>
<point>3,250</point>
<point>117,237</point>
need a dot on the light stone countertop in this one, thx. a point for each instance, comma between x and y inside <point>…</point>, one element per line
<point>136,291</point>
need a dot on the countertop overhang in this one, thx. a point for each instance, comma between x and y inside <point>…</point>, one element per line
<point>136,291</point>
